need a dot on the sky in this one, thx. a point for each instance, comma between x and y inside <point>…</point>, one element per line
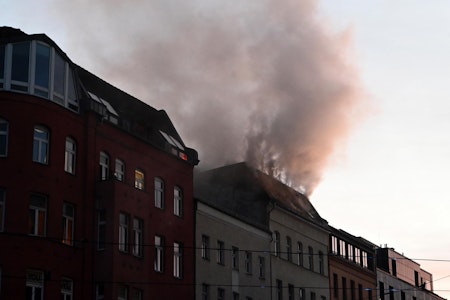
<point>345,99</point>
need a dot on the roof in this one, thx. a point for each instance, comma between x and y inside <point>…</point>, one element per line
<point>247,193</point>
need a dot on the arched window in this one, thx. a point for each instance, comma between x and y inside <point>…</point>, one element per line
<point>70,156</point>
<point>41,141</point>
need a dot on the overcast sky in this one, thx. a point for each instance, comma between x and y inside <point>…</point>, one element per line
<point>383,143</point>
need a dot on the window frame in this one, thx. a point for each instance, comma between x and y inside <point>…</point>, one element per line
<point>35,280</point>
<point>277,244</point>
<point>104,163</point>
<point>119,171</point>
<point>221,252</point>
<point>66,288</point>
<point>235,258</point>
<point>37,214</point>
<point>4,135</point>
<point>101,229</point>
<point>159,192</point>
<point>139,179</point>
<point>123,242</point>
<point>40,144</point>
<point>178,260</point>
<point>177,201</point>
<point>70,156</point>
<point>205,247</point>
<point>68,222</point>
<point>248,262</point>
<point>159,254</point>
<point>138,242</point>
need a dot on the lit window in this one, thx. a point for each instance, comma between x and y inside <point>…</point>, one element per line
<point>122,292</point>
<point>101,229</point>
<point>248,262</point>
<point>70,156</point>
<point>34,285</point>
<point>137,236</point>
<point>177,201</point>
<point>4,129</point>
<point>42,70</point>
<point>220,252</point>
<point>37,214</point>
<point>20,66</point>
<point>235,258</point>
<point>2,209</point>
<point>159,253</point>
<point>334,245</point>
<point>40,145</point>
<point>177,260</point>
<point>159,193</point>
<point>120,170</point>
<point>104,166</point>
<point>139,178</point>
<point>357,256</point>
<point>205,247</point>
<point>68,223</point>
<point>66,289</point>
<point>123,232</point>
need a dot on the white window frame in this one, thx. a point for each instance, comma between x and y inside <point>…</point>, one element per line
<point>40,144</point>
<point>35,213</point>
<point>35,281</point>
<point>177,201</point>
<point>104,166</point>
<point>68,223</point>
<point>139,179</point>
<point>138,225</point>
<point>123,232</point>
<point>120,170</point>
<point>4,134</point>
<point>70,155</point>
<point>159,193</point>
<point>66,289</point>
<point>177,260</point>
<point>159,254</point>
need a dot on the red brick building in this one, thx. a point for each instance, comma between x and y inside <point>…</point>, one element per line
<point>95,185</point>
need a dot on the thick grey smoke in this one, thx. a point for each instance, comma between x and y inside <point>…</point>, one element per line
<point>259,80</point>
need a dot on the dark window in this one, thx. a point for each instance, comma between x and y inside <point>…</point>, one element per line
<point>394,267</point>
<point>289,248</point>
<point>4,133</point>
<point>344,288</point>
<point>20,66</point>
<point>205,247</point>
<point>101,229</point>
<point>291,292</point>
<point>277,243</point>
<point>279,290</point>
<point>42,71</point>
<point>40,145</point>
<point>2,65</point>
<point>360,292</point>
<point>59,79</point>
<point>391,293</point>
<point>382,292</point>
<point>352,290</point>
<point>335,285</point>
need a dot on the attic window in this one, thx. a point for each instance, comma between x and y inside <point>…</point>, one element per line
<point>171,140</point>
<point>113,116</point>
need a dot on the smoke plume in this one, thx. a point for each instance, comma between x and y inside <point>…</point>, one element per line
<point>263,81</point>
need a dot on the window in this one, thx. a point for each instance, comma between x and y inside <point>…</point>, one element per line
<point>104,166</point>
<point>391,293</point>
<point>59,79</point>
<point>2,209</point>
<point>101,229</point>
<point>342,249</point>
<point>4,129</point>
<point>360,292</point>
<point>394,267</point>
<point>205,247</point>
<point>235,258</point>
<point>220,294</point>
<point>120,170</point>
<point>220,252</point>
<point>159,193</point>
<point>66,289</point>
<point>334,245</point>
<point>205,291</point>
<point>352,290</point>
<point>357,256</point>
<point>300,253</point>
<point>262,267</point>
<point>99,291</point>
<point>313,296</point>
<point>123,232</point>
<point>177,201</point>
<point>40,145</point>
<point>34,285</point>
<point>277,243</point>
<point>68,220</point>
<point>42,70</point>
<point>37,214</point>
<point>177,260</point>
<point>122,292</point>
<point>70,155</point>
<point>301,294</point>
<point>344,288</point>
<point>350,255</point>
<point>20,66</point>
<point>291,292</point>
<point>279,290</point>
<point>137,294</point>
<point>335,286</point>
<point>289,248</point>
<point>248,262</point>
<point>321,263</point>
<point>364,259</point>
<point>2,66</point>
<point>235,296</point>
<point>137,237</point>
<point>159,253</point>
<point>139,179</point>
<point>311,258</point>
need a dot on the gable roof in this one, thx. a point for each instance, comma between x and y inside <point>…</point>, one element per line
<point>247,193</point>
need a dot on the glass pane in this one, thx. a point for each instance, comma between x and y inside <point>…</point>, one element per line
<point>71,88</point>
<point>59,75</point>
<point>2,62</point>
<point>20,62</point>
<point>42,72</point>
